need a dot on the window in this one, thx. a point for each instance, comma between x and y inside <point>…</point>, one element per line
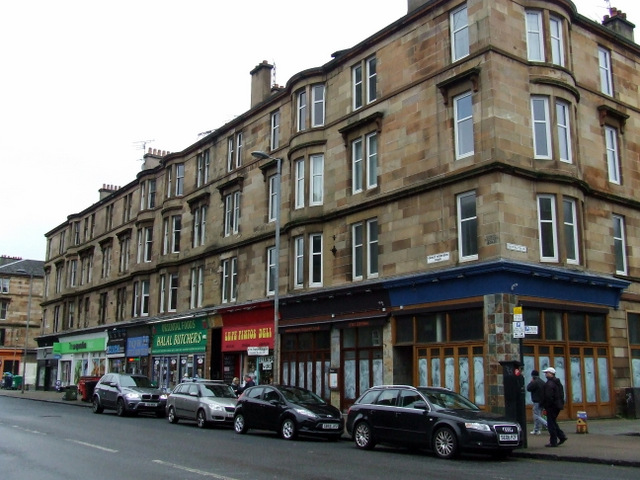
<point>102,308</point>
<point>541,121</point>
<point>360,89</point>
<point>365,249</point>
<point>71,314</point>
<point>165,236</point>
<point>4,309</point>
<point>73,272</point>
<point>176,227</point>
<point>229,279</point>
<point>463,113</point>
<point>535,39</point>
<point>76,226</point>
<point>619,245</point>
<point>364,164</point>
<point>613,156</point>
<point>125,247</point>
<point>109,217</point>
<point>106,261</point>
<point>136,299</point>
<point>273,197</point>
<point>121,304</point>
<point>197,287</point>
<point>604,62</point>
<point>202,168</point>
<point>299,187</point>
<point>151,194</point>
<point>459,33</point>
<point>541,127</point>
<point>547,228</point>
<point>318,112</point>
<point>148,243</point>
<point>169,182</point>
<point>239,149</point>
<point>315,260</point>
<point>570,230</point>
<point>173,292</point>
<point>317,180</point>
<point>231,213</point>
<point>557,42</point>
<point>298,265</point>
<point>163,294</point>
<point>4,285</point>
<point>144,301</point>
<point>126,214</point>
<point>564,131</point>
<point>179,179</point>
<point>271,271</point>
<point>467,226</point>
<point>302,110</point>
<point>275,130</point>
<point>230,153</point>
<point>199,225</point>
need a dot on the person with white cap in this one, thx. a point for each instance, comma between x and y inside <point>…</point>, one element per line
<point>553,402</point>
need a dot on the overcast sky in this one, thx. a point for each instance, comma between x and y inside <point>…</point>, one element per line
<point>84,83</point>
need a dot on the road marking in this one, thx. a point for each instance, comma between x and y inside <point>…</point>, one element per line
<point>27,430</point>
<point>193,470</point>
<point>105,449</point>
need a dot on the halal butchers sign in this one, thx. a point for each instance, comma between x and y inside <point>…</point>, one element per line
<point>184,336</point>
<point>520,330</point>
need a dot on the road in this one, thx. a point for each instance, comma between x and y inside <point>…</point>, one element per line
<point>47,441</point>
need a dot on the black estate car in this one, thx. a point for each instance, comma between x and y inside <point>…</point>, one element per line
<point>432,417</point>
<point>127,394</point>
<point>287,410</point>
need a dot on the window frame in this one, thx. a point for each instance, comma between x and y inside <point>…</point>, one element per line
<point>535,37</point>
<point>556,36</point>
<point>318,107</point>
<point>463,125</point>
<point>274,137</point>
<point>612,153</point>
<point>179,179</point>
<point>604,68</point>
<point>620,245</point>
<point>301,109</point>
<point>313,256</point>
<point>229,279</point>
<point>571,232</point>
<point>299,189</point>
<point>546,123</point>
<point>459,35</point>
<point>464,229</point>
<point>543,227</point>
<point>316,187</point>
<point>298,261</point>
<point>273,194</point>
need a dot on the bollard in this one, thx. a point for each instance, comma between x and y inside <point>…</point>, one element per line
<point>581,424</point>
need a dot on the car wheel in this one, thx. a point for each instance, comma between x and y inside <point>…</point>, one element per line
<point>239,425</point>
<point>201,418</point>
<point>445,443</point>
<point>96,407</point>
<point>363,436</point>
<point>171,416</point>
<point>288,429</point>
<point>120,408</point>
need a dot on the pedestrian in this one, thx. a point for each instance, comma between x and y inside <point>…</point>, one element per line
<point>248,382</point>
<point>235,384</point>
<point>553,402</point>
<point>536,387</point>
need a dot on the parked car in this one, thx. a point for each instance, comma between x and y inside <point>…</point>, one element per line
<point>287,410</point>
<point>128,394</point>
<point>205,401</point>
<point>432,417</point>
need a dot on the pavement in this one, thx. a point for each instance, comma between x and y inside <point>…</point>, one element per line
<point>613,441</point>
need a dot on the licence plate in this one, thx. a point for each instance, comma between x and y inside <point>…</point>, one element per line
<point>330,426</point>
<point>508,438</point>
<point>229,414</point>
<point>148,404</point>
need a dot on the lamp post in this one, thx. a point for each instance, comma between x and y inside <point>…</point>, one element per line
<point>276,290</point>
<point>26,334</point>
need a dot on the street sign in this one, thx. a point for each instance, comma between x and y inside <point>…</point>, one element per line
<point>518,329</point>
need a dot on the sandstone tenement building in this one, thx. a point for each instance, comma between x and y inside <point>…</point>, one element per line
<point>470,158</point>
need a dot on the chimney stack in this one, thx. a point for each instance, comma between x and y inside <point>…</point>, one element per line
<point>260,83</point>
<point>617,21</point>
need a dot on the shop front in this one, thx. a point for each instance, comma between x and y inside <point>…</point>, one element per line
<point>247,343</point>
<point>80,356</point>
<point>178,351</point>
<point>115,350</point>
<point>47,368</point>
<point>137,353</point>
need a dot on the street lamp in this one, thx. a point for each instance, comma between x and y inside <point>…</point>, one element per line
<point>26,334</point>
<point>276,290</point>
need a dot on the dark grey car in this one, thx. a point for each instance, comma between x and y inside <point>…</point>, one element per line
<point>205,401</point>
<point>128,394</point>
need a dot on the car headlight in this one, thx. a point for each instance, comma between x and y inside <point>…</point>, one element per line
<point>305,412</point>
<point>163,396</point>
<point>216,408</point>
<point>132,396</point>
<point>483,427</point>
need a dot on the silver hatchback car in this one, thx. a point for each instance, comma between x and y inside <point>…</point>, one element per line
<point>204,401</point>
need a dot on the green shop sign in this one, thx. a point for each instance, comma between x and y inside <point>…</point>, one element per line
<point>184,336</point>
<point>80,346</point>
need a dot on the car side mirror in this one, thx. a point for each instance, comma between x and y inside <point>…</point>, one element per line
<point>420,405</point>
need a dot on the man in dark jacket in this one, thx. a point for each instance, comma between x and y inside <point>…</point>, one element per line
<point>536,387</point>
<point>553,402</point>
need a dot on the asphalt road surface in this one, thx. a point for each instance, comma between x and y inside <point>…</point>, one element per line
<point>47,441</point>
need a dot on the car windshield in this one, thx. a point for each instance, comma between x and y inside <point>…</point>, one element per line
<point>441,399</point>
<point>298,395</point>
<point>135,382</point>
<point>216,390</point>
